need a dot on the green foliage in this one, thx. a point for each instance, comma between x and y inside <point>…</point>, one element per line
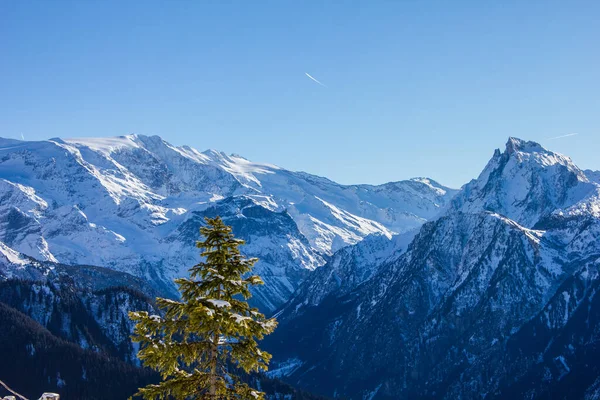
<point>212,330</point>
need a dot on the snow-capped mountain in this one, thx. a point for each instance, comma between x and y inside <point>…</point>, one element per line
<point>525,183</point>
<point>495,299</point>
<point>135,203</point>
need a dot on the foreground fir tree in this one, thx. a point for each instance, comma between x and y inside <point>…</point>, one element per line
<point>211,331</point>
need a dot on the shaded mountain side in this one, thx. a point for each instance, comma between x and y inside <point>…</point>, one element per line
<point>35,361</point>
<point>93,278</point>
<point>414,311</point>
<point>94,320</point>
<point>561,345</point>
<point>87,307</point>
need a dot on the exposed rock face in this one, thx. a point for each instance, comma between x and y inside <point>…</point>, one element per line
<point>496,298</point>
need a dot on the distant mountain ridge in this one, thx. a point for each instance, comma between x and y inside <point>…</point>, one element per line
<point>135,203</point>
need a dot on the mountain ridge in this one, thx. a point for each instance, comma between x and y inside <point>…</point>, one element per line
<point>120,203</point>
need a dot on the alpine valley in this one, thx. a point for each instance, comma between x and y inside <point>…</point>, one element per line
<point>403,290</point>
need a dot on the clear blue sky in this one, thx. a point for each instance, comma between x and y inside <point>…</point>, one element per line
<point>414,88</point>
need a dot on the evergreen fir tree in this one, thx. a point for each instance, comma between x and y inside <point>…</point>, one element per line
<point>211,331</point>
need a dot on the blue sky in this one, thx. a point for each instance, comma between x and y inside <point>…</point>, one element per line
<point>413,88</point>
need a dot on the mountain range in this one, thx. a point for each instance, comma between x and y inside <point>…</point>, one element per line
<point>402,290</point>
<point>135,203</point>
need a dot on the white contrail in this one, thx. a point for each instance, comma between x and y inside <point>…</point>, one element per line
<point>307,74</point>
<point>560,137</point>
<point>22,136</point>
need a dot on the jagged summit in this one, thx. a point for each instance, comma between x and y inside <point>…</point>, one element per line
<point>525,183</point>
<point>514,145</point>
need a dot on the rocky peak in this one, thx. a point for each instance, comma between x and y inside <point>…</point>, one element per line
<point>525,183</point>
<point>515,145</point>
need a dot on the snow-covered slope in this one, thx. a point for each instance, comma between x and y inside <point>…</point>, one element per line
<point>499,289</point>
<point>593,176</point>
<point>346,270</point>
<point>124,202</point>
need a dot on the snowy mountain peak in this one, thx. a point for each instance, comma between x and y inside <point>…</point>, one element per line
<point>514,145</point>
<point>104,145</point>
<point>525,183</point>
<point>438,188</point>
<point>534,154</point>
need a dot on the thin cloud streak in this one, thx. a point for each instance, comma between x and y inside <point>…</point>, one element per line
<point>307,74</point>
<point>563,136</point>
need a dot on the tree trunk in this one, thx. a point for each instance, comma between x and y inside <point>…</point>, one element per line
<point>215,354</point>
<point>213,368</point>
